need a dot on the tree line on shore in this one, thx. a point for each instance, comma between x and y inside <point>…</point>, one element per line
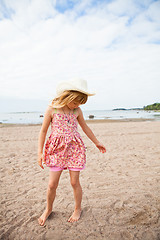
<point>155,106</point>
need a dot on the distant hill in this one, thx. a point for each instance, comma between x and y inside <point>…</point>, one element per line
<point>155,106</point>
<point>117,109</point>
<point>126,109</point>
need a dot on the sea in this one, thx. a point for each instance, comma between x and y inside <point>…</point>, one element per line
<point>37,117</point>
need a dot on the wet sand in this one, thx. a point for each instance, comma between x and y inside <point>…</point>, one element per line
<point>121,188</point>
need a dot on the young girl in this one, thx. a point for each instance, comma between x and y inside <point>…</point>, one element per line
<point>64,148</point>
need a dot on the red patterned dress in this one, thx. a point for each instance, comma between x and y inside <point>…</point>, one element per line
<point>64,147</point>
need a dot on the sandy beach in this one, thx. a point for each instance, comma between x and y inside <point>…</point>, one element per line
<point>121,188</point>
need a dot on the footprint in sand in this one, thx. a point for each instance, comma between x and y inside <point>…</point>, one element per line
<point>137,215</point>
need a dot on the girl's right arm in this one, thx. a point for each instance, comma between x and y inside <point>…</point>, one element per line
<point>42,134</point>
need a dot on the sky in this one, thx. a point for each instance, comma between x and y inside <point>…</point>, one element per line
<point>113,44</point>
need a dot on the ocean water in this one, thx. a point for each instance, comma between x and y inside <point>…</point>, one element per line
<point>34,117</point>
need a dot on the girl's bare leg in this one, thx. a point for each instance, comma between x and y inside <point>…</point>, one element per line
<point>77,190</point>
<point>51,193</point>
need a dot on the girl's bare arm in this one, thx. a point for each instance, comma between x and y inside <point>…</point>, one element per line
<point>89,132</point>
<point>42,134</point>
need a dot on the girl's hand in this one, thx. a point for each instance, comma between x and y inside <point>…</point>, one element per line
<point>101,147</point>
<point>40,160</point>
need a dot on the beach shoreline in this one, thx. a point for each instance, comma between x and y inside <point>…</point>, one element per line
<point>121,188</point>
<point>109,115</point>
<point>90,121</point>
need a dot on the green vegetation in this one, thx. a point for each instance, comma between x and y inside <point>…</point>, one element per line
<point>155,106</point>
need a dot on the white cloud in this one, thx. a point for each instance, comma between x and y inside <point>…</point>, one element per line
<point>111,45</point>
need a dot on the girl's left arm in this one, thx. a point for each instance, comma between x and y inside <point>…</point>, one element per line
<point>89,132</point>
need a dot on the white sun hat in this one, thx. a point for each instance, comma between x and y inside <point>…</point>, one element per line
<point>75,84</point>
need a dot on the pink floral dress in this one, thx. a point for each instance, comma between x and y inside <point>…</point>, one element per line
<point>64,147</point>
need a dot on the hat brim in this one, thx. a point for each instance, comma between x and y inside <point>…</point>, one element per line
<point>64,86</point>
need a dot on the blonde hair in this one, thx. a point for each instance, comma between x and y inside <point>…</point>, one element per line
<point>67,97</point>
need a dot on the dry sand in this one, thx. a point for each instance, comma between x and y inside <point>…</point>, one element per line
<point>121,188</point>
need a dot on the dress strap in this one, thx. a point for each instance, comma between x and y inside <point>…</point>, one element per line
<point>74,111</point>
<point>55,110</point>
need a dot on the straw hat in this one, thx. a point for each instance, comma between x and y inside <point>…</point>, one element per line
<point>76,84</point>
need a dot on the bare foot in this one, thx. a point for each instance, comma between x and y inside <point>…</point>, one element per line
<point>43,217</point>
<point>75,216</point>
